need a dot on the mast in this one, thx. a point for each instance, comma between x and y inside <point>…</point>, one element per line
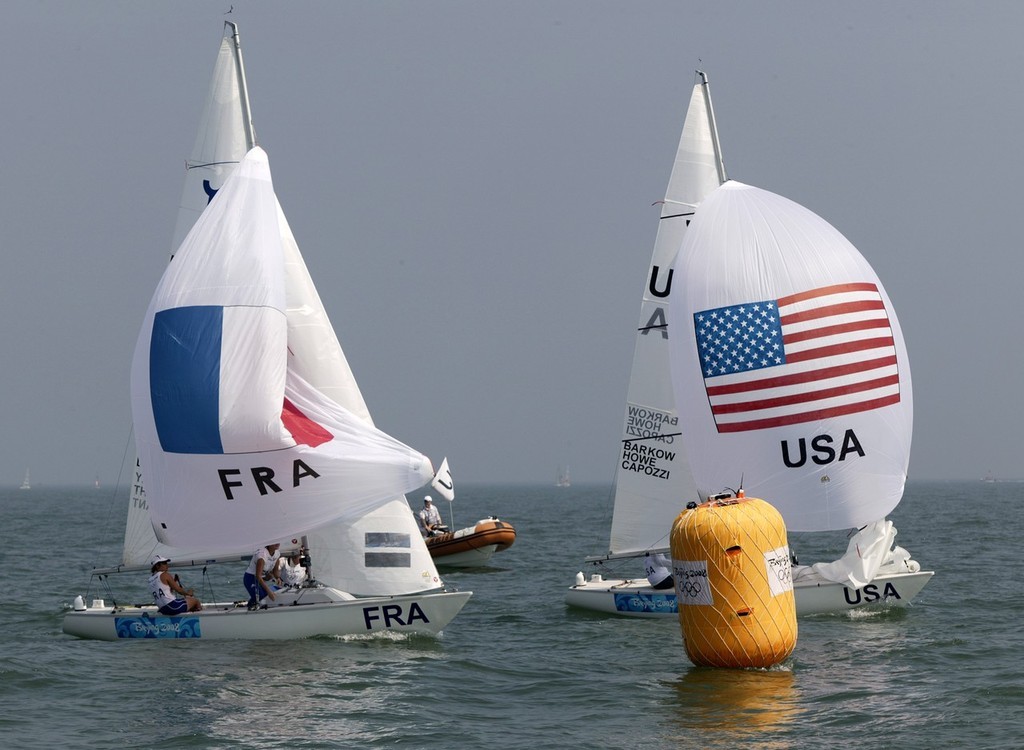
<point>706,90</point>
<point>250,131</point>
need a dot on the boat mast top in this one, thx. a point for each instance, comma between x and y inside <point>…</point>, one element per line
<point>250,131</point>
<point>706,88</point>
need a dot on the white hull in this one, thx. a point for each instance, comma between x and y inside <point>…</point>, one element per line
<point>635,597</point>
<point>301,613</point>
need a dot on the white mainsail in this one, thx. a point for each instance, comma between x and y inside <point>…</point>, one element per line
<point>653,479</point>
<point>225,134</point>
<point>789,364</point>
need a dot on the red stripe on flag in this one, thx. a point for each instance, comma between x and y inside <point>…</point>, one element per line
<point>837,349</point>
<point>815,333</point>
<point>825,291</point>
<point>801,377</point>
<point>803,398</point>
<point>303,429</point>
<point>810,416</point>
<point>827,311</point>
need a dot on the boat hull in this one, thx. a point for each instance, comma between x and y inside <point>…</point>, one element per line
<point>327,612</point>
<point>472,546</point>
<point>636,598</point>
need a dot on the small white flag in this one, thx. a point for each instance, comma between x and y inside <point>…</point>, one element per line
<point>442,482</point>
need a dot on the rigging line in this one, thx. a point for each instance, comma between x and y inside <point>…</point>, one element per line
<point>676,216</point>
<point>108,525</point>
<point>652,437</point>
<point>611,567</point>
<point>208,164</point>
<point>208,584</point>
<point>105,584</point>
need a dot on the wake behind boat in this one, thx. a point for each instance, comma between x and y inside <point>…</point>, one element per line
<point>675,450</point>
<point>251,428</point>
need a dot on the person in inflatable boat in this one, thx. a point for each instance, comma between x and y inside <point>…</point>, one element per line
<point>430,518</point>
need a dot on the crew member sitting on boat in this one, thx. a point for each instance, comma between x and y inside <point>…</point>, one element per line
<point>657,568</point>
<point>292,571</point>
<point>430,518</point>
<point>164,586</point>
<point>264,566</point>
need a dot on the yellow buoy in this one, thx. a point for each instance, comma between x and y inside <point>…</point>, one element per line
<point>734,583</point>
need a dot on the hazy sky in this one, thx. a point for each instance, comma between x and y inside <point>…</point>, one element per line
<point>471,185</point>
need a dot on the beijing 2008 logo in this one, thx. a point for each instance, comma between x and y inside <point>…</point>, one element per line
<point>692,582</point>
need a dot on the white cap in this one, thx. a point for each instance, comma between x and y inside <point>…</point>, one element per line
<point>428,499</point>
<point>157,559</point>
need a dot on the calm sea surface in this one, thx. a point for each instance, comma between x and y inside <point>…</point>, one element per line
<point>517,669</point>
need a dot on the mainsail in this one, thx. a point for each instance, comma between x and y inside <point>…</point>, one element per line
<point>224,135</point>
<point>653,479</point>
<point>788,362</point>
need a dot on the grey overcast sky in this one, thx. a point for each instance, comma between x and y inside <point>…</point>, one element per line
<point>471,185</point>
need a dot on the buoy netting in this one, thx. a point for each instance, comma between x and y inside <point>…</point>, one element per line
<point>734,584</point>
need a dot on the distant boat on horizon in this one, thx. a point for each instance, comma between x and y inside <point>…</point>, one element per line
<point>990,479</point>
<point>26,483</point>
<point>563,478</point>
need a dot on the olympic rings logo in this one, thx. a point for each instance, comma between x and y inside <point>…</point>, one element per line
<point>690,588</point>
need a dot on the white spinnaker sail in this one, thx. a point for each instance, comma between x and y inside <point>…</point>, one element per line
<point>789,364</point>
<point>224,136</point>
<point>653,480</point>
<point>238,448</point>
<point>382,552</point>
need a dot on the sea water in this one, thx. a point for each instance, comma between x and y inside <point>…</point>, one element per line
<point>517,668</point>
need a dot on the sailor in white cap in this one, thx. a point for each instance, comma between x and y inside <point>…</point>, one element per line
<point>164,586</point>
<point>430,517</point>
